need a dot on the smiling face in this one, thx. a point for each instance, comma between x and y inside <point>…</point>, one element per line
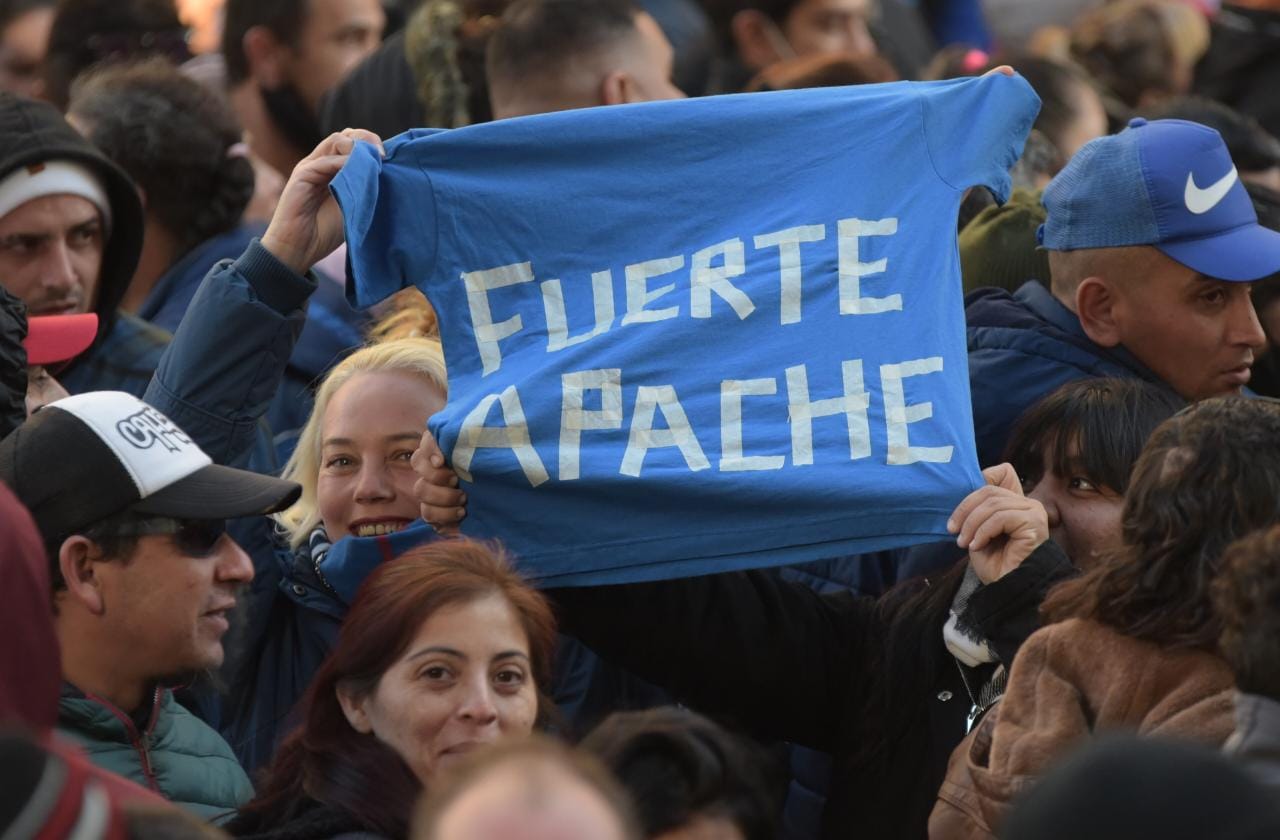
<point>370,430</point>
<point>464,681</point>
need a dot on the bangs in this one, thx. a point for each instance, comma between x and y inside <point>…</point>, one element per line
<point>1075,451</point>
<point>1092,429</point>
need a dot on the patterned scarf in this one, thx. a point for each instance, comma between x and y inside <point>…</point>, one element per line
<point>314,551</point>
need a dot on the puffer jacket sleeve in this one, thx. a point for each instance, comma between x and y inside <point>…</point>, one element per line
<point>228,357</point>
<point>216,381</point>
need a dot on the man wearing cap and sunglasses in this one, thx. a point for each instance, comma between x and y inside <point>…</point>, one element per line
<point>132,514</point>
<point>1153,249</point>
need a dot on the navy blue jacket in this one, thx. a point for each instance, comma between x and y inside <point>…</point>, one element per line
<point>218,391</point>
<point>1022,347</point>
<point>331,330</point>
<point>123,359</point>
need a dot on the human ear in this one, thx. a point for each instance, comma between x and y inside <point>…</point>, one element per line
<point>757,38</point>
<point>1099,306</point>
<point>78,560</point>
<point>265,56</point>
<point>354,708</point>
<point>617,88</point>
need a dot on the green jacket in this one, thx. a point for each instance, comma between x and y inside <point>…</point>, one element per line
<point>177,755</point>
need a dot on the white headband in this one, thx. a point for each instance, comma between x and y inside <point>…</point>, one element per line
<point>55,177</point>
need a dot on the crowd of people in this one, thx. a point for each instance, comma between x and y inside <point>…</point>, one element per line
<point>234,593</point>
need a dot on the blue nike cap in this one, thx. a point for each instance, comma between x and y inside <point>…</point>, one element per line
<point>1165,183</point>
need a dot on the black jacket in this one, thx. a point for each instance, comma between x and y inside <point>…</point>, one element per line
<point>126,350</point>
<point>317,822</point>
<point>34,132</point>
<point>13,363</point>
<point>868,681</point>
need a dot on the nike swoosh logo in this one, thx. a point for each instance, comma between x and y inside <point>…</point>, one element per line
<point>1200,201</point>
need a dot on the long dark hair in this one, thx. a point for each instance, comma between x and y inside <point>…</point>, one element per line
<point>1208,476</point>
<point>325,760</point>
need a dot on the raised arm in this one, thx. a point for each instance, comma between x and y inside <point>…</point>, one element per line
<point>228,356</point>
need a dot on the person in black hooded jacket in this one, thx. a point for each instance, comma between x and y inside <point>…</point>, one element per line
<point>13,363</point>
<point>60,256</point>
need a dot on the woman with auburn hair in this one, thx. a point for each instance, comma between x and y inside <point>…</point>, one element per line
<point>887,687</point>
<point>354,513</point>
<point>444,651</point>
<point>1133,643</point>
<point>357,509</point>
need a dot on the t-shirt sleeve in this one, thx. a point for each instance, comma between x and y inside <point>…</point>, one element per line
<point>388,213</point>
<point>975,129</point>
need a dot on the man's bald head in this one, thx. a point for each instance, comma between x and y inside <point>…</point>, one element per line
<point>553,55</point>
<point>1068,269</point>
<point>527,790</point>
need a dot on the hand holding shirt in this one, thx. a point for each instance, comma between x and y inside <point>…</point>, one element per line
<point>687,337</point>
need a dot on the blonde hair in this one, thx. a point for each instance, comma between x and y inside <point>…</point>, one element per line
<point>421,356</point>
<point>407,314</point>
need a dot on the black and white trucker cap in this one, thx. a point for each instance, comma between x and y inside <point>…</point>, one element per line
<point>87,457</point>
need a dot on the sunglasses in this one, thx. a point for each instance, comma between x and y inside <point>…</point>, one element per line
<point>193,537</point>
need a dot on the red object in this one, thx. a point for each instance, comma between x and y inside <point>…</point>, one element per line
<point>974,60</point>
<point>57,338</point>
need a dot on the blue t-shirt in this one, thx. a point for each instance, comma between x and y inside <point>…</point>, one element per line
<point>702,335</point>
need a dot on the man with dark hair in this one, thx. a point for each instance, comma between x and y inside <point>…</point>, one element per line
<point>24,37</point>
<point>282,56</point>
<point>1153,248</point>
<point>553,55</point>
<point>133,517</point>
<point>757,33</point>
<point>86,33</point>
<point>70,236</point>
